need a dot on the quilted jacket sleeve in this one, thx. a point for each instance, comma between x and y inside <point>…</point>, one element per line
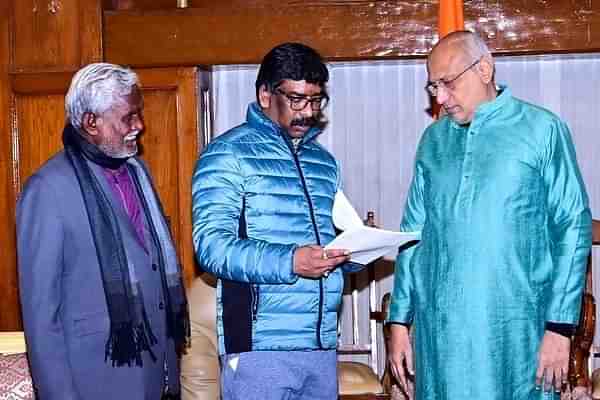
<point>217,204</point>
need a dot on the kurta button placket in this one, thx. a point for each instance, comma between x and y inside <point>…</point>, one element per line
<point>467,167</point>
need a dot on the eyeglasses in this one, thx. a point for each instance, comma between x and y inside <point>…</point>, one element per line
<point>433,87</point>
<point>299,103</point>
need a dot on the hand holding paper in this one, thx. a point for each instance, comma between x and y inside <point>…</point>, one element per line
<point>314,261</point>
<point>365,243</point>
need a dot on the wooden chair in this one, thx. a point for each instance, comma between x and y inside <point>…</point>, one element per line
<point>371,380</point>
<point>365,380</point>
<point>357,378</point>
<point>579,365</point>
<point>361,380</point>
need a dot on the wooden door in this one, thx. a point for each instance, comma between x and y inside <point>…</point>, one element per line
<point>169,145</point>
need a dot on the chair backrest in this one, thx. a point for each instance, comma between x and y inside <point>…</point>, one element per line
<point>200,363</point>
<point>360,343</point>
<point>580,363</point>
<point>360,333</point>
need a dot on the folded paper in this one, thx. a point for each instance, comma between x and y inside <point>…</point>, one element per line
<point>364,242</point>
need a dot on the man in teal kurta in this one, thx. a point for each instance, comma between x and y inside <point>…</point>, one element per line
<point>493,289</point>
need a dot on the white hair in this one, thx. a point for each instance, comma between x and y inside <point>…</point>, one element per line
<point>96,88</point>
<point>475,47</point>
<point>472,45</point>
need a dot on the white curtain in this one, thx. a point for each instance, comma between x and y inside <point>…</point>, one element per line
<point>377,114</point>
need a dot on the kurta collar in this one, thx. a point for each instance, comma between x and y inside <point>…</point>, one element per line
<point>257,119</point>
<point>488,109</point>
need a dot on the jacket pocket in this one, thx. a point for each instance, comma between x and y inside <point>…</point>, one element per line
<point>91,324</point>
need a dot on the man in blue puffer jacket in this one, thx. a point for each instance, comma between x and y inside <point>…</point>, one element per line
<point>262,200</point>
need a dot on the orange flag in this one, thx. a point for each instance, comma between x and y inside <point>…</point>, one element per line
<point>450,19</point>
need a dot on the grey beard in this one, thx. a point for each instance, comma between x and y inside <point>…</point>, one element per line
<point>114,154</point>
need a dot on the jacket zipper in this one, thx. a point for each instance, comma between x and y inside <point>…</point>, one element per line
<point>255,292</point>
<point>243,234</point>
<point>314,223</point>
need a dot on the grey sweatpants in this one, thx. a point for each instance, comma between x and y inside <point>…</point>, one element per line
<point>279,375</point>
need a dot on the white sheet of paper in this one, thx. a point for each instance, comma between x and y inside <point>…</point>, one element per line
<point>365,243</point>
<point>344,215</point>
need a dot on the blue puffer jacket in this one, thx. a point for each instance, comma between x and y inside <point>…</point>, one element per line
<point>254,201</point>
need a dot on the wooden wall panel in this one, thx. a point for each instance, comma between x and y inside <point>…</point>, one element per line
<point>190,145</point>
<point>159,149</point>
<point>240,31</point>
<point>246,4</point>
<point>55,35</point>
<point>171,145</point>
<point>40,120</point>
<point>39,117</point>
<point>51,26</point>
<point>230,36</point>
<point>9,311</point>
<point>90,43</point>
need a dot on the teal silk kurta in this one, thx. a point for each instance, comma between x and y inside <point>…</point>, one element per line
<point>506,230</point>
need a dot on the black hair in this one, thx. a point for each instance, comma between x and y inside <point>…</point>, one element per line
<point>293,61</point>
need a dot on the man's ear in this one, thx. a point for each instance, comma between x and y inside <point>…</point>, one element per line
<point>88,123</point>
<point>264,97</point>
<point>486,69</point>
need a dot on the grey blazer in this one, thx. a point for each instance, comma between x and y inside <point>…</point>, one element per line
<point>62,297</point>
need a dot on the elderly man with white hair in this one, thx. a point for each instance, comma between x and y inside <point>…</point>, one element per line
<point>104,309</point>
<point>493,289</point>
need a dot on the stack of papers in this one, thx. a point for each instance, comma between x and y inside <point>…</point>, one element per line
<point>364,242</point>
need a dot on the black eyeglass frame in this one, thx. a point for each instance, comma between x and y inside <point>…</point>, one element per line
<point>433,87</point>
<point>299,103</point>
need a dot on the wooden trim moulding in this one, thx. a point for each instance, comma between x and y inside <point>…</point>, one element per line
<point>36,83</point>
<point>196,36</point>
<point>351,30</point>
